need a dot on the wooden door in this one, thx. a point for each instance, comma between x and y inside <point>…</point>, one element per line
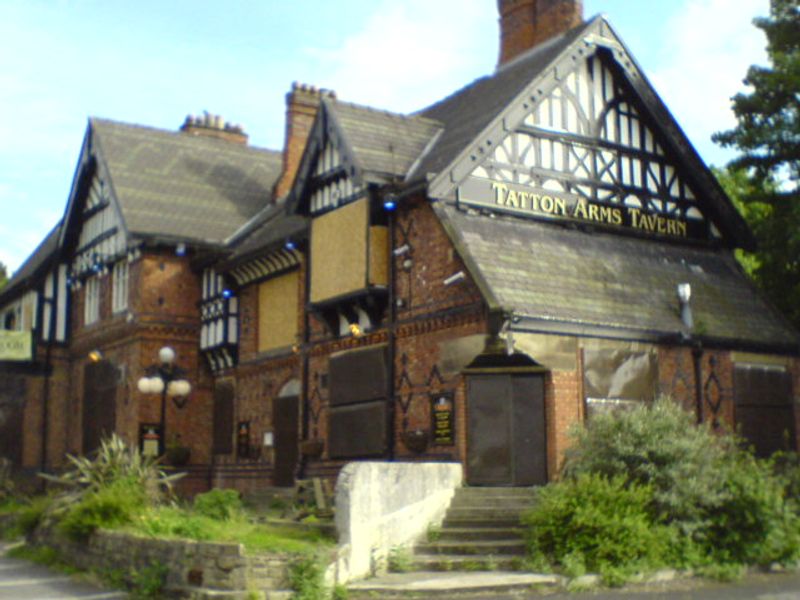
<point>285,423</point>
<point>506,443</point>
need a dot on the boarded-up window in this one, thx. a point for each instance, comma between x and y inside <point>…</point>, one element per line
<point>764,409</point>
<point>223,417</point>
<point>277,312</point>
<point>12,407</point>
<point>99,403</point>
<point>379,255</point>
<point>359,412</point>
<point>618,379</point>
<point>339,251</point>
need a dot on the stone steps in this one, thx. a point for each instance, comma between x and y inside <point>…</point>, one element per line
<point>480,532</point>
<point>466,563</point>
<point>481,547</point>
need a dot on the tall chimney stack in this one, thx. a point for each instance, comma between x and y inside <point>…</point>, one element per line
<point>302,104</point>
<point>527,23</point>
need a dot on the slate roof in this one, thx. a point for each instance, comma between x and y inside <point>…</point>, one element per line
<point>268,229</point>
<point>468,111</point>
<point>32,264</point>
<point>571,280</point>
<point>385,144</point>
<point>189,187</point>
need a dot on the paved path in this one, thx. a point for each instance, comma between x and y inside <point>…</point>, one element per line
<point>22,580</point>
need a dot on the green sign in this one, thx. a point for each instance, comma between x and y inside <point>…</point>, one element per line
<point>15,345</point>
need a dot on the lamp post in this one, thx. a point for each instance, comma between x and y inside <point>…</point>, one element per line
<point>165,378</point>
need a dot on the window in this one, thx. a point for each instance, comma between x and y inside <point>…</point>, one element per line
<point>119,282</point>
<point>616,379</point>
<point>764,407</point>
<point>277,312</point>
<point>91,306</point>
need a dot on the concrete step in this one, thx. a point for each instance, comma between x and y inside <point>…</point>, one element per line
<point>426,584</point>
<point>489,513</point>
<point>460,562</point>
<point>518,504</point>
<point>478,533</point>
<point>480,522</point>
<point>475,548</point>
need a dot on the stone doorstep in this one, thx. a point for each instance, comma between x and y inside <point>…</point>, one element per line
<point>455,583</point>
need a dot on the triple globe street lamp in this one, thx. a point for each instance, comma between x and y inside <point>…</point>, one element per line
<point>167,379</point>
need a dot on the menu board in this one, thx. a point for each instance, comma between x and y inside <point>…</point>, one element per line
<point>443,419</point>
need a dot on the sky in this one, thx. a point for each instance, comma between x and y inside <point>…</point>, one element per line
<point>153,62</point>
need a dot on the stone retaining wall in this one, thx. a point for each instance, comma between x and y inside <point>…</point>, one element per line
<point>195,570</point>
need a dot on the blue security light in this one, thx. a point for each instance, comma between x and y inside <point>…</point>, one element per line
<point>290,245</point>
<point>390,203</point>
<point>226,293</point>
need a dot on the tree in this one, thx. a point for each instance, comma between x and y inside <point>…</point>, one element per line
<point>766,175</point>
<point>3,276</point>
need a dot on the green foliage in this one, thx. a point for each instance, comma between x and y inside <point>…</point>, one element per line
<point>399,560</point>
<point>219,504</point>
<point>657,446</point>
<point>593,523</point>
<point>149,582</point>
<point>648,487</point>
<point>306,579</point>
<point>6,481</point>
<point>108,507</point>
<point>42,555</point>
<point>31,515</point>
<point>3,275</point>
<point>114,461</point>
<point>177,522</point>
<point>766,134</point>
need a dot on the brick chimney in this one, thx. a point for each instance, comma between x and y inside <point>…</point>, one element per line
<point>214,126</point>
<point>527,23</point>
<point>302,103</point>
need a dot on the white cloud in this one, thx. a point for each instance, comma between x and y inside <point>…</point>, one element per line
<point>709,46</point>
<point>410,54</point>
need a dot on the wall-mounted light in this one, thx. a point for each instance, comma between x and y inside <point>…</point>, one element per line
<point>684,295</point>
<point>400,250</point>
<point>180,249</point>
<point>390,203</point>
<point>455,278</point>
<point>226,293</point>
<point>289,245</point>
<point>355,330</point>
<point>95,356</point>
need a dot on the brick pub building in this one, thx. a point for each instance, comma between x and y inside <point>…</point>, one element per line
<point>462,283</point>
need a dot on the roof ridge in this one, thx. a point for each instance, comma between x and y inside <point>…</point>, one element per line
<point>385,112</point>
<point>180,135</point>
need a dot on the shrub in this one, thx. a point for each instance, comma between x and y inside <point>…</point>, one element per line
<point>659,446</point>
<point>753,523</point>
<point>723,506</point>
<point>111,506</point>
<point>306,579</point>
<point>218,504</point>
<point>115,461</point>
<point>597,524</point>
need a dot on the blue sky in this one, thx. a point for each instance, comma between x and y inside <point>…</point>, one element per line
<point>155,61</point>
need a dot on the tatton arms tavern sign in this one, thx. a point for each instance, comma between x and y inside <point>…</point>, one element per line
<point>545,204</point>
<point>15,345</point>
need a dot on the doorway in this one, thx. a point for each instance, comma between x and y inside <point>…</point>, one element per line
<point>285,420</point>
<point>506,443</point>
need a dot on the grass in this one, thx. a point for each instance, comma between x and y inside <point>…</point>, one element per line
<point>42,555</point>
<point>173,522</point>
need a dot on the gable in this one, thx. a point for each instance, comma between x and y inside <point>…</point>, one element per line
<point>583,131</point>
<point>101,236</point>
<point>328,176</point>
<point>588,152</point>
